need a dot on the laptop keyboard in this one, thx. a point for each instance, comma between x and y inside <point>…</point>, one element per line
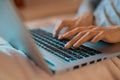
<point>54,46</point>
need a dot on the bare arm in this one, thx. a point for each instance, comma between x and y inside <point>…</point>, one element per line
<point>93,34</point>
<point>84,18</point>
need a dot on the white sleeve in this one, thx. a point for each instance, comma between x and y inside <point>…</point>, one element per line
<point>85,7</point>
<point>88,6</point>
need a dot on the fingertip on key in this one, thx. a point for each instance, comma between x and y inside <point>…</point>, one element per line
<point>75,46</point>
<point>67,46</point>
<point>60,38</point>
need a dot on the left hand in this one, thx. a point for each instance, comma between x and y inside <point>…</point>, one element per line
<point>84,20</point>
<point>92,34</point>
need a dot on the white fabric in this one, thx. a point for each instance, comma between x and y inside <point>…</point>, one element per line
<point>107,13</point>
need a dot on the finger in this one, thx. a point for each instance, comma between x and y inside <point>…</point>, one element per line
<point>76,38</point>
<point>69,33</point>
<point>58,29</point>
<point>73,32</point>
<point>89,35</point>
<point>64,23</point>
<point>98,37</point>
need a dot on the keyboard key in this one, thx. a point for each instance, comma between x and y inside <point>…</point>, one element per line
<point>54,46</point>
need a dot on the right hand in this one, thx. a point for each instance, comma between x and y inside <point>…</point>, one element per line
<point>84,20</point>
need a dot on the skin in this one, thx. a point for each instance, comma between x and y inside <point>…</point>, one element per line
<point>92,34</point>
<point>84,20</point>
<point>81,30</point>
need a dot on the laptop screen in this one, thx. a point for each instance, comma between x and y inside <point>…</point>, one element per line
<point>13,30</point>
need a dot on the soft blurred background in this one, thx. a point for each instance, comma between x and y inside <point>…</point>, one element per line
<point>40,10</point>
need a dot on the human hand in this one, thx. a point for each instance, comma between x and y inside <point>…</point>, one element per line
<point>92,34</point>
<point>84,20</point>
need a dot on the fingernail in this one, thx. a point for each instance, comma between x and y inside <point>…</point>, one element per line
<point>67,46</point>
<point>75,46</point>
<point>92,41</point>
<point>60,38</point>
<point>54,35</point>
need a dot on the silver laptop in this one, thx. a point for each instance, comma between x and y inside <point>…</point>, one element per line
<point>46,51</point>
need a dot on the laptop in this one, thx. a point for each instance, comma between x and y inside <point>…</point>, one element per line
<point>48,52</point>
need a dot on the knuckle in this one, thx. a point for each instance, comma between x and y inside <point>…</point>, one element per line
<point>64,21</point>
<point>72,32</point>
<point>104,32</point>
<point>77,28</point>
<point>68,33</point>
<point>61,22</point>
<point>83,32</point>
<point>91,26</point>
<point>90,32</point>
<point>71,42</point>
<point>96,28</point>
